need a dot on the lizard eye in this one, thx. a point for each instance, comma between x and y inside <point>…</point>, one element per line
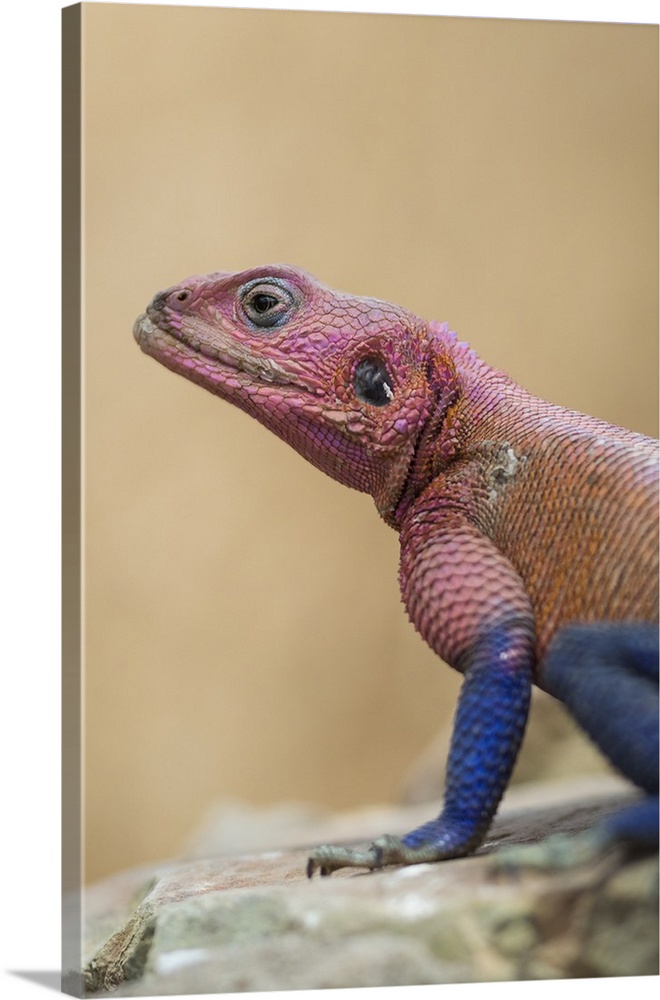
<point>266,305</point>
<point>372,382</point>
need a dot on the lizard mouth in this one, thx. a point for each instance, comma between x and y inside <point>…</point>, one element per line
<point>189,351</point>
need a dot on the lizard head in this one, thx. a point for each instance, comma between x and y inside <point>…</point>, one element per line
<point>344,380</point>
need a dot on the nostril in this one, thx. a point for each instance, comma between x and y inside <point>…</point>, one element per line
<point>177,298</point>
<point>172,298</point>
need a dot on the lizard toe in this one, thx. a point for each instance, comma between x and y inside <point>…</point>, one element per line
<point>330,858</point>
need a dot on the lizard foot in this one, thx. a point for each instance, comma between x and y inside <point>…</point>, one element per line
<point>387,850</point>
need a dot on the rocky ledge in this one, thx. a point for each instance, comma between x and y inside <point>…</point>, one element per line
<point>254,922</point>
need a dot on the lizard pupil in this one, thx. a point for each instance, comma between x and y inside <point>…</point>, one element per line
<point>262,302</point>
<point>372,382</point>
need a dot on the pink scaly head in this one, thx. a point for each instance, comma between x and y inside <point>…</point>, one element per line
<point>348,382</point>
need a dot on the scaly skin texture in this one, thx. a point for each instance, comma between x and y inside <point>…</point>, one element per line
<point>516,517</point>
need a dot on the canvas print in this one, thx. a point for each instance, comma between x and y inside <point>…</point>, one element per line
<point>360,500</point>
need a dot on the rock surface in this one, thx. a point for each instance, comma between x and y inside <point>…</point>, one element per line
<point>254,922</point>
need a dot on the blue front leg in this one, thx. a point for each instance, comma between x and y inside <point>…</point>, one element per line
<point>606,673</point>
<point>488,729</point>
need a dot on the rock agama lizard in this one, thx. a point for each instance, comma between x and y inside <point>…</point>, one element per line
<point>528,532</point>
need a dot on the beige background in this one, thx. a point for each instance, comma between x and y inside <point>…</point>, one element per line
<point>244,635</point>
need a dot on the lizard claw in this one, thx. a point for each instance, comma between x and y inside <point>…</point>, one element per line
<point>386,850</point>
